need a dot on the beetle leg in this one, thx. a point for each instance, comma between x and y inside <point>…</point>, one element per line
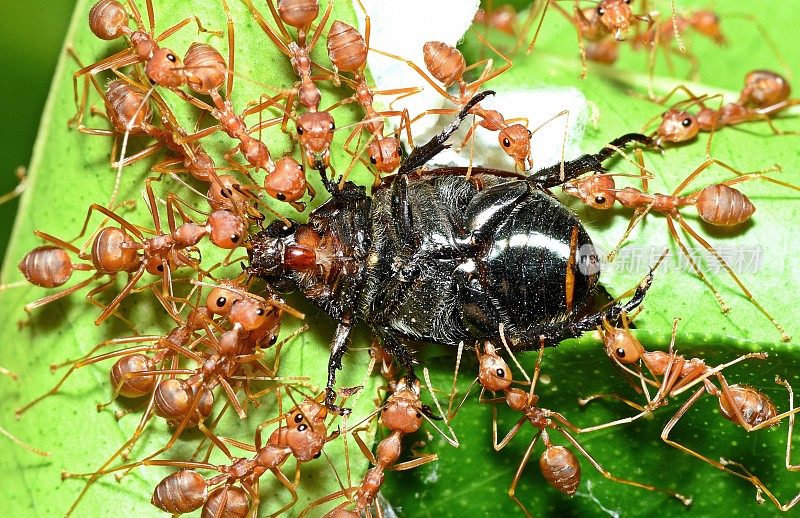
<point>552,334</point>
<point>401,208</point>
<point>338,348</point>
<point>552,176</point>
<point>421,155</point>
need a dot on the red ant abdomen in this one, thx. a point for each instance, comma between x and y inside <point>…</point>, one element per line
<point>561,469</point>
<point>182,492</point>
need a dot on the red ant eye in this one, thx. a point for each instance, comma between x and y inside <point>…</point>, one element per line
<point>501,373</point>
<point>621,352</point>
<point>506,142</point>
<point>281,196</point>
<point>601,11</point>
<point>221,302</point>
<point>299,130</point>
<point>172,57</point>
<point>373,160</point>
<point>600,200</point>
<point>686,122</point>
<point>333,126</point>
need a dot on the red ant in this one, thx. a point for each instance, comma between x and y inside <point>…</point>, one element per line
<point>286,179</point>
<point>743,405</point>
<point>559,466</point>
<point>765,93</point>
<point>402,414</point>
<point>188,402</point>
<point>108,20</point>
<point>447,65</point>
<point>611,18</point>
<point>678,374</point>
<point>718,204</point>
<point>303,436</point>
<point>347,50</point>
<point>115,251</point>
<point>314,128</point>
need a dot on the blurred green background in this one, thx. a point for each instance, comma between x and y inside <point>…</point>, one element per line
<point>31,36</point>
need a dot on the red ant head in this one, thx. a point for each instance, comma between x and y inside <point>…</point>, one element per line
<point>493,373</point>
<point>287,182</point>
<point>596,190</point>
<point>315,132</point>
<point>615,15</point>
<point>110,256</point>
<point>298,13</point>
<point>403,411</point>
<point>205,68</point>
<point>165,69</point>
<point>677,126</point>
<point>708,24</point>
<point>306,432</point>
<point>220,300</point>
<point>384,154</point>
<point>108,20</point>
<point>227,229</point>
<point>516,142</point>
<point>621,345</point>
<point>249,313</point>
<point>155,264</point>
<point>225,193</point>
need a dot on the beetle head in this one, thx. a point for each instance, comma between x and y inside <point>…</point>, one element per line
<point>266,255</point>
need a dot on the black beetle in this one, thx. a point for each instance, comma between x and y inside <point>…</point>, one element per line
<point>438,257</point>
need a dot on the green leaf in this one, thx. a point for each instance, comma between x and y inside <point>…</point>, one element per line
<point>69,172</point>
<point>473,479</point>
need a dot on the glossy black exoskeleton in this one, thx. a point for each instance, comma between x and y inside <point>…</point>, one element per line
<point>435,256</point>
